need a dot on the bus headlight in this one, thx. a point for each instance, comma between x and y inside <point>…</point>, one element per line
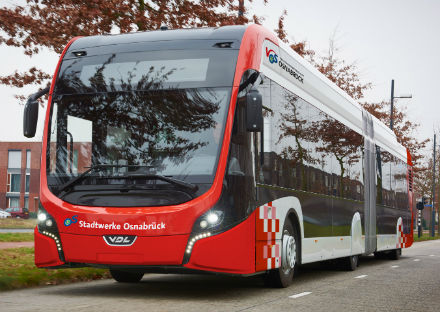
<point>208,224</point>
<point>210,220</point>
<point>41,216</point>
<point>49,223</point>
<point>213,217</point>
<point>45,221</point>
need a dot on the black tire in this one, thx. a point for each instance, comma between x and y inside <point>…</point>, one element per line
<point>379,255</point>
<point>125,276</point>
<point>395,254</point>
<point>350,263</point>
<point>283,276</point>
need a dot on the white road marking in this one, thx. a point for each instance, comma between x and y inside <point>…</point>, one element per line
<point>394,266</point>
<point>361,276</point>
<point>300,294</point>
<point>416,259</point>
<point>432,255</point>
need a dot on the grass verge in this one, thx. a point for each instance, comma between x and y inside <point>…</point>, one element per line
<point>424,237</point>
<point>17,270</point>
<point>15,223</point>
<point>16,237</point>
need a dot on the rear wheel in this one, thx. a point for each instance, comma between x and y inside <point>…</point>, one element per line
<point>395,254</point>
<point>350,263</point>
<point>379,255</point>
<point>283,276</point>
<point>126,277</point>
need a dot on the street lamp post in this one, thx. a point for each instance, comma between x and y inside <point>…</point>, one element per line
<point>409,96</point>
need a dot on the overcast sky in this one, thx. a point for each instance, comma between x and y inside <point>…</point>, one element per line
<point>393,39</point>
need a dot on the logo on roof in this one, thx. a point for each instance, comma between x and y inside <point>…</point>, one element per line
<point>272,56</point>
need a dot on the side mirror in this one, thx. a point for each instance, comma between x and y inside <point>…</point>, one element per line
<point>30,116</point>
<point>254,111</point>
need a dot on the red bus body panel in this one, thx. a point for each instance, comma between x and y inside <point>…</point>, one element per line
<point>46,254</point>
<point>164,246</point>
<point>230,252</point>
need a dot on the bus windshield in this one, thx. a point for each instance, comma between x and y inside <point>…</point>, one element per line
<point>136,119</point>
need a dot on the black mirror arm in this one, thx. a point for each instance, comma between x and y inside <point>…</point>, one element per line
<point>255,79</point>
<point>38,94</point>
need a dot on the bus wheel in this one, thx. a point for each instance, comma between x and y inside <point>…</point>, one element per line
<point>351,263</point>
<point>283,276</point>
<point>395,254</point>
<point>125,276</point>
<point>379,255</point>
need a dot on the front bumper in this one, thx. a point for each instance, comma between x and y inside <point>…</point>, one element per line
<point>150,250</point>
<point>231,252</point>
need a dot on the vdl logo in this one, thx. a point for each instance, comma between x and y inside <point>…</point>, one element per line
<point>119,240</point>
<point>69,221</point>
<point>273,57</point>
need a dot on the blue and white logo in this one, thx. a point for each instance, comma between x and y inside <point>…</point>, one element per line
<point>69,221</point>
<point>272,56</point>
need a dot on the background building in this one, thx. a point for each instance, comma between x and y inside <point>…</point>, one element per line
<point>20,174</point>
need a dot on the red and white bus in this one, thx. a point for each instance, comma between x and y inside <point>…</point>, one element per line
<point>215,149</point>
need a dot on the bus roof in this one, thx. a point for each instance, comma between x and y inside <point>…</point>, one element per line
<point>220,33</point>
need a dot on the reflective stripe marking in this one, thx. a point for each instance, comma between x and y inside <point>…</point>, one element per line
<point>394,266</point>
<point>300,294</point>
<point>268,253</point>
<point>361,276</point>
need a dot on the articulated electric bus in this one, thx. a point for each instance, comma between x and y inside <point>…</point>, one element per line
<point>217,150</point>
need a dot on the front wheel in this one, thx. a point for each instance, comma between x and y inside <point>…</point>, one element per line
<point>283,276</point>
<point>125,276</point>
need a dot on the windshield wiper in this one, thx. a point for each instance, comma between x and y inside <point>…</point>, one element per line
<point>66,186</point>
<point>82,176</point>
<point>191,187</point>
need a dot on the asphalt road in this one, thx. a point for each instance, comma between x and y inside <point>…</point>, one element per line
<point>409,284</point>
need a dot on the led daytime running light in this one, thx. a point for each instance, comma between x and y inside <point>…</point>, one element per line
<point>55,238</point>
<point>195,239</point>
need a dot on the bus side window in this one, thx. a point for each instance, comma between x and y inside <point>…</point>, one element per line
<point>379,199</point>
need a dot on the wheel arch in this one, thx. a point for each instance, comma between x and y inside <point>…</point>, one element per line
<point>292,216</point>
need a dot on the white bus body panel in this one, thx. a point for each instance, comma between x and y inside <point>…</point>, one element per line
<point>312,86</point>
